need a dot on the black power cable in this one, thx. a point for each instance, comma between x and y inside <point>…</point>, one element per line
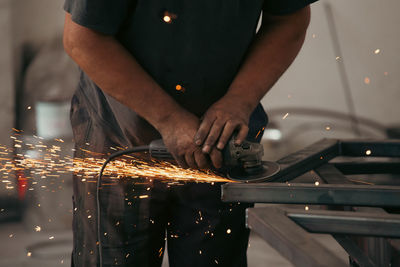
<point>110,158</point>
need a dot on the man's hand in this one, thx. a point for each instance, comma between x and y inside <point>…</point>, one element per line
<point>224,118</point>
<point>273,50</point>
<point>178,134</point>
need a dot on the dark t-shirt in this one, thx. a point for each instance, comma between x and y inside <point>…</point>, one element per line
<point>193,56</point>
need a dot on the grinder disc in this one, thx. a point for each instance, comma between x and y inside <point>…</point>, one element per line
<point>262,173</point>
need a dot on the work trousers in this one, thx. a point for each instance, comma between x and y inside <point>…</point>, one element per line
<point>137,215</point>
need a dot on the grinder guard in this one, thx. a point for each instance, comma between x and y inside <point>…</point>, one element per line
<point>244,162</point>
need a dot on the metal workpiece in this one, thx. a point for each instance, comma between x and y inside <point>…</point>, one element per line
<point>364,230</point>
<point>289,239</point>
<point>365,251</point>
<point>368,167</point>
<point>347,222</point>
<point>371,148</point>
<point>306,159</point>
<point>322,194</point>
<point>288,231</point>
<point>353,249</point>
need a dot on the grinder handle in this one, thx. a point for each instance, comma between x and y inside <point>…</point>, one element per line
<point>158,150</point>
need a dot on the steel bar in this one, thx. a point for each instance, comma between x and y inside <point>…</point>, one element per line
<point>331,175</point>
<point>354,251</point>
<point>307,159</point>
<point>371,148</point>
<point>323,194</point>
<point>368,167</point>
<point>290,240</point>
<point>347,222</point>
<point>361,249</point>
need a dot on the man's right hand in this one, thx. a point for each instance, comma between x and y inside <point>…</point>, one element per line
<point>117,73</point>
<point>178,133</point>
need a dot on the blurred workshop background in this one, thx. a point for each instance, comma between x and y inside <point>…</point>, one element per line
<point>344,84</point>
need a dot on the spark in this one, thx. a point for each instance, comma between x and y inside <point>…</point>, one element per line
<point>337,58</point>
<point>29,108</point>
<point>377,51</point>
<point>316,183</point>
<point>38,228</point>
<point>367,80</point>
<point>228,231</point>
<point>50,164</point>
<point>368,152</point>
<point>306,208</point>
<point>259,132</point>
<point>179,87</point>
<point>51,237</point>
<point>167,19</point>
<point>286,115</point>
<point>361,182</point>
<point>328,128</point>
<point>29,254</point>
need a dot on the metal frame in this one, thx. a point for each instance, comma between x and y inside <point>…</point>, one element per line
<point>286,229</point>
<point>323,194</point>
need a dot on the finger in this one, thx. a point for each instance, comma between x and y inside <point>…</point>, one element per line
<point>189,157</point>
<point>181,161</point>
<point>203,130</point>
<point>216,158</point>
<point>226,134</point>
<point>241,136</point>
<point>201,160</point>
<point>213,136</point>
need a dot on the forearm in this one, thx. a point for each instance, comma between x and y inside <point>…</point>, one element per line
<point>118,74</point>
<point>276,46</point>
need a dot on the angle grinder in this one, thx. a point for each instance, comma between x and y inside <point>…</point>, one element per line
<point>242,162</point>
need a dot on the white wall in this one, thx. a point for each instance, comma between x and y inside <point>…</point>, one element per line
<point>6,74</point>
<point>34,22</point>
<point>313,80</point>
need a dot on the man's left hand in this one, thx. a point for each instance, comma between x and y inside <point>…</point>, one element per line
<point>224,118</point>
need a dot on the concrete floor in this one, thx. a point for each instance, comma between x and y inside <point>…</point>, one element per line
<point>52,248</point>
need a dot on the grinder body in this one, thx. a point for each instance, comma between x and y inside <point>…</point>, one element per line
<point>242,162</point>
